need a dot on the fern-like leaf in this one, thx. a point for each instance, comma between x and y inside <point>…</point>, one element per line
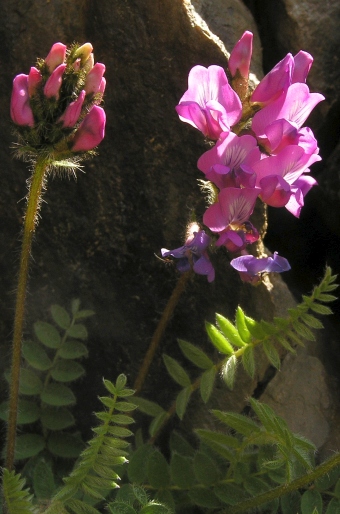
<point>17,499</point>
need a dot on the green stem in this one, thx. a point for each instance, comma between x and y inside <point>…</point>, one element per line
<point>32,209</point>
<point>300,482</point>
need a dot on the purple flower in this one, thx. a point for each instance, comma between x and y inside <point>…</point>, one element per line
<point>21,112</point>
<point>193,255</point>
<point>250,267</point>
<point>91,130</point>
<point>209,104</point>
<point>34,80</point>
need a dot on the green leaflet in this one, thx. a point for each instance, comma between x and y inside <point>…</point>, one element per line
<point>176,371</point>
<point>28,411</point>
<point>207,383</point>
<point>158,471</point>
<point>57,395</point>
<point>229,371</point>
<point>182,472</point>
<point>195,355</point>
<point>182,401</point>
<point>47,334</point>
<point>77,331</point>
<point>148,407</point>
<point>218,339</point>
<point>60,316</point>
<point>67,370</point>
<point>230,332</point>
<point>36,356</point>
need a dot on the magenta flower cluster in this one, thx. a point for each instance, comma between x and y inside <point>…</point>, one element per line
<point>262,149</point>
<point>57,104</point>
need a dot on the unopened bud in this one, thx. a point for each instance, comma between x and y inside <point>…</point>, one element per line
<point>56,56</point>
<point>91,131</point>
<point>84,52</point>
<point>34,79</point>
<point>21,112</point>
<point>94,79</point>
<point>72,112</point>
<point>53,83</point>
<point>240,56</point>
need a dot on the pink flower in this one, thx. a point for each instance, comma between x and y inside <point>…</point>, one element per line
<point>240,56</point>
<point>53,84</point>
<point>275,83</point>
<point>56,56</point>
<point>72,111</point>
<point>233,208</point>
<point>91,131</point>
<point>295,106</point>
<point>229,163</point>
<point>302,64</point>
<point>21,112</point>
<point>34,79</point>
<point>94,79</point>
<point>209,104</point>
<point>277,175</point>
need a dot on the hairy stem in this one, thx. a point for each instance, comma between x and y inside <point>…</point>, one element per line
<point>157,336</point>
<point>32,209</point>
<point>300,482</point>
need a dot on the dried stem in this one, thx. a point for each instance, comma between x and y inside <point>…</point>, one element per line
<point>157,336</point>
<point>32,209</point>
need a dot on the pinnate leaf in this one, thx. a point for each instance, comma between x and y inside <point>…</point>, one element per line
<point>238,422</point>
<point>242,326</point>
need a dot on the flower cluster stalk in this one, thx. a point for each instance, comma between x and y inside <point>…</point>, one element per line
<point>32,209</point>
<point>157,336</point>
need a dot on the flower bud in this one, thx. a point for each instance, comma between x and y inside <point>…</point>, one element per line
<point>91,131</point>
<point>84,52</point>
<point>72,112</point>
<point>53,83</point>
<point>56,56</point>
<point>94,79</point>
<point>241,55</point>
<point>21,112</point>
<point>34,79</point>
<point>302,64</point>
